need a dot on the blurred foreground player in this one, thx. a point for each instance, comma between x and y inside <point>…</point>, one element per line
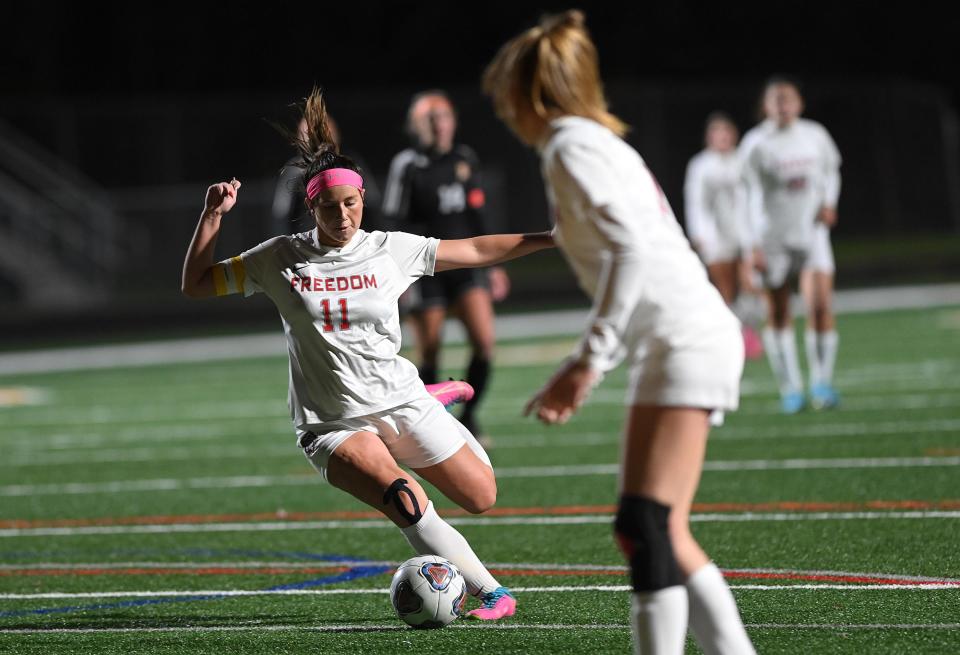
<point>792,168</point>
<point>359,409</point>
<point>653,305</point>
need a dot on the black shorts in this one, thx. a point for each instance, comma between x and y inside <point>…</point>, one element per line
<point>443,289</point>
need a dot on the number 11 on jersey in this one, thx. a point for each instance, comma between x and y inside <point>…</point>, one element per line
<point>328,320</point>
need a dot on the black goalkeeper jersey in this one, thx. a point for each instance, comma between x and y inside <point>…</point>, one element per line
<point>435,195</point>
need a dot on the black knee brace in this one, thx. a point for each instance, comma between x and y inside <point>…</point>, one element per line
<point>392,495</point>
<point>641,530</point>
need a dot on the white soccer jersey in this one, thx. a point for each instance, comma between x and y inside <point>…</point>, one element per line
<point>715,203</point>
<point>790,173</point>
<point>339,311</point>
<point>617,230</point>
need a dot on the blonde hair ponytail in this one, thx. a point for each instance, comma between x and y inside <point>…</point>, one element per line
<point>551,69</point>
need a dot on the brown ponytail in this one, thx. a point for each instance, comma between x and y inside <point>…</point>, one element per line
<point>315,143</point>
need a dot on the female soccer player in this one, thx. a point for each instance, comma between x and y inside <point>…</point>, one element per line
<point>653,305</point>
<point>792,168</point>
<point>359,409</point>
<point>434,189</point>
<point>715,209</point>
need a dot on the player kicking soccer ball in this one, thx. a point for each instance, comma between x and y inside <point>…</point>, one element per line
<point>359,410</point>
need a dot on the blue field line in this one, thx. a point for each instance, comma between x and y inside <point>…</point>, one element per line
<point>354,573</point>
<point>17,555</point>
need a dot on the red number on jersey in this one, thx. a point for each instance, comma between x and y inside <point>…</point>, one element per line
<point>328,319</point>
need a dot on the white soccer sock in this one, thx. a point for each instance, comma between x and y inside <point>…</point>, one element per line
<point>659,620</point>
<point>714,619</point>
<point>772,348</point>
<point>828,346</point>
<point>811,340</point>
<point>431,535</point>
<point>777,347</point>
<point>791,364</point>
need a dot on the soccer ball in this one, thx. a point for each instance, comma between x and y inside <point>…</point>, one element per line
<point>428,591</point>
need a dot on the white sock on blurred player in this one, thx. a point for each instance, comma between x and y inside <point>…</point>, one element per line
<point>659,620</point>
<point>811,340</point>
<point>431,535</point>
<point>787,343</point>
<point>714,619</point>
<point>828,344</point>
<point>775,348</point>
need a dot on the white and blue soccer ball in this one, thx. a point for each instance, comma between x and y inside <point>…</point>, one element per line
<point>428,591</point>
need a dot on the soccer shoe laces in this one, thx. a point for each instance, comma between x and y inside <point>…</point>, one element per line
<point>490,598</point>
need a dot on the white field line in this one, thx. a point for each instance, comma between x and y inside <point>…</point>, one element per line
<point>150,411</point>
<point>288,526</point>
<point>238,593</point>
<point>40,444</point>
<point>36,450</point>
<point>25,449</point>
<point>167,410</point>
<point>907,429</point>
<point>252,481</point>
<point>782,430</point>
<point>366,627</point>
<point>163,434</point>
<point>117,455</point>
<point>563,323</point>
<point>872,402</point>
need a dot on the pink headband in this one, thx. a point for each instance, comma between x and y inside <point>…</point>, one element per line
<point>332,177</point>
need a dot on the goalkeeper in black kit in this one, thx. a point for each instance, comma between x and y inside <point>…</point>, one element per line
<point>434,189</point>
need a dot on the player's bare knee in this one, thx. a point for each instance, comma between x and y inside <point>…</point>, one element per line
<point>482,500</point>
<point>643,534</point>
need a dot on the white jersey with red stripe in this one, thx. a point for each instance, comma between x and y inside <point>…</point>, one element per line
<point>615,227</point>
<point>340,317</point>
<point>791,173</point>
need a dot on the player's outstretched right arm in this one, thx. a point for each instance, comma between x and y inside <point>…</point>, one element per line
<point>197,281</point>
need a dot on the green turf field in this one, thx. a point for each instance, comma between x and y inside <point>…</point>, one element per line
<point>165,509</point>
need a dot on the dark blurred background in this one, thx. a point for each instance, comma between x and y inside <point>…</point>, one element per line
<point>114,118</point>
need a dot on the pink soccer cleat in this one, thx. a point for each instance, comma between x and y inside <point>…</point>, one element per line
<point>496,604</point>
<point>450,393</point>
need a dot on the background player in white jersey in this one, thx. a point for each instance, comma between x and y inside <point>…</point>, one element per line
<point>359,409</point>
<point>792,168</point>
<point>715,208</point>
<point>653,305</point>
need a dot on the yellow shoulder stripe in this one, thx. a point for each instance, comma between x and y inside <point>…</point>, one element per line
<point>239,272</point>
<point>220,279</point>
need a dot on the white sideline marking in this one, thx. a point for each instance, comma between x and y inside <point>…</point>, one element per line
<point>191,432</point>
<point>36,450</point>
<point>279,526</point>
<point>38,445</point>
<point>248,481</point>
<point>366,627</point>
<point>234,593</point>
<point>561,323</point>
